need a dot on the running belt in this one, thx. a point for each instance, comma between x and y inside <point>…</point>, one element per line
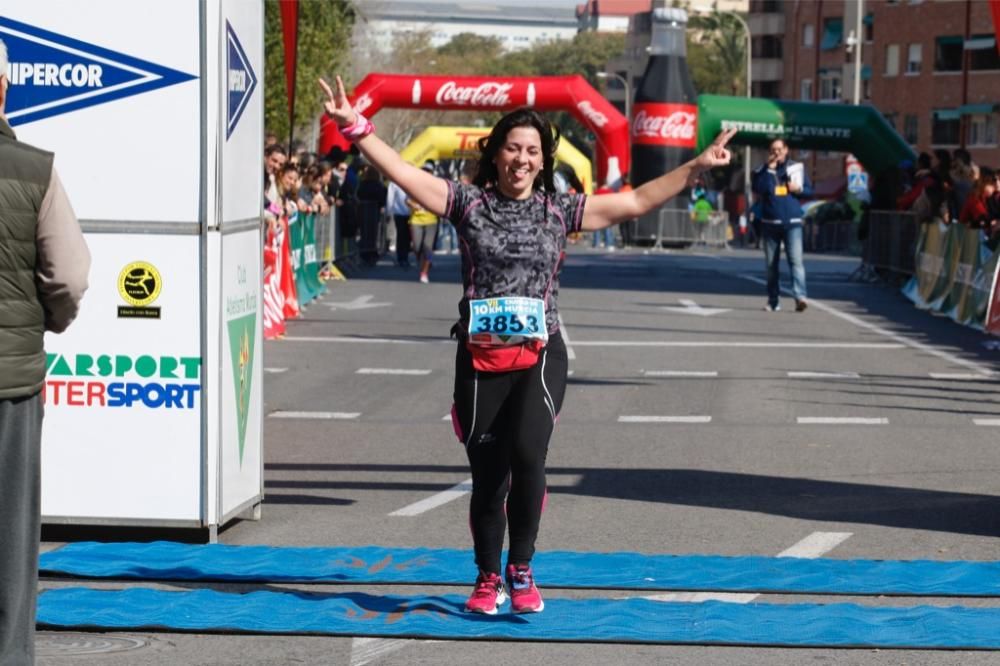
<point>557,569</point>
<point>576,620</point>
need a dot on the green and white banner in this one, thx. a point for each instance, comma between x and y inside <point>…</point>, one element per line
<point>954,273</point>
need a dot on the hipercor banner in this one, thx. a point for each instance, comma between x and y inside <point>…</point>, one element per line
<point>119,107</point>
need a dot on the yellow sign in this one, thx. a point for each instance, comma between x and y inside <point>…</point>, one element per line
<point>139,283</point>
<point>444,143</point>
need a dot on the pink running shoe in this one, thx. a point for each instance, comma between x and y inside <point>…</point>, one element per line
<point>524,596</point>
<point>488,596</point>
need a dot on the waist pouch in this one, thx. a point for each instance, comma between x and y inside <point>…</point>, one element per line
<point>503,358</point>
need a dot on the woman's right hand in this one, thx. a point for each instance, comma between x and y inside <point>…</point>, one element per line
<point>336,105</point>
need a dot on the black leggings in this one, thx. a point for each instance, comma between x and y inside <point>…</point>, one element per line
<point>505,420</point>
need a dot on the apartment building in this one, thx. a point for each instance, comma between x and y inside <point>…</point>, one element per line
<point>931,67</point>
<point>517,26</point>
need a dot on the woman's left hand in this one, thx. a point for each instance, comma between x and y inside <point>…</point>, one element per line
<point>716,154</point>
<point>336,105</point>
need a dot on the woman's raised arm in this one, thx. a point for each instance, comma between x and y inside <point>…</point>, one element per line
<point>604,210</point>
<point>429,190</point>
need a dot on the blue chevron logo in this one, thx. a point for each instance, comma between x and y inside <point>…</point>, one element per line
<point>51,74</point>
<point>240,80</point>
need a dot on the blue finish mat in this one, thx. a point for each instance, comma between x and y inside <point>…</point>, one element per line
<point>578,620</point>
<point>556,569</point>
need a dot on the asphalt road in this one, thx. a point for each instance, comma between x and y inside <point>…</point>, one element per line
<point>694,422</point>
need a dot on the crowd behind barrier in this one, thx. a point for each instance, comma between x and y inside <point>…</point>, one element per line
<point>940,229</point>
<point>953,272</point>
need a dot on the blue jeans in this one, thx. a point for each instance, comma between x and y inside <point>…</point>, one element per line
<point>606,236</point>
<point>791,235</point>
<point>446,230</point>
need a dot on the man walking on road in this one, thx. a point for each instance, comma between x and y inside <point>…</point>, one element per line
<point>44,264</point>
<point>778,184</point>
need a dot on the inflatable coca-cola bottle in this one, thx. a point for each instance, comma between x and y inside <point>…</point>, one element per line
<point>664,120</point>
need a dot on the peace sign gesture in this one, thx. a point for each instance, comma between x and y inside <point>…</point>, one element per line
<point>717,154</point>
<point>336,105</point>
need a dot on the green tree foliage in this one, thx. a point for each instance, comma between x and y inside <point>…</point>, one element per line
<point>585,54</point>
<point>324,49</point>
<point>717,54</point>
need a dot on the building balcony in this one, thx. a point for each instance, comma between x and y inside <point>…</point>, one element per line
<point>766,24</point>
<point>767,69</point>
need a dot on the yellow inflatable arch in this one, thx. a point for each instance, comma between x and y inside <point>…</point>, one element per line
<point>457,143</point>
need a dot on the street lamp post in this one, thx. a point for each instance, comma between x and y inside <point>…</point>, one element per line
<point>746,150</point>
<point>628,113</point>
<point>749,50</point>
<point>628,93</point>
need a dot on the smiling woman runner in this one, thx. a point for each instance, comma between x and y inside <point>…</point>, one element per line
<point>510,366</point>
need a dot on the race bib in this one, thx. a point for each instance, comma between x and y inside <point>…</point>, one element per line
<point>507,321</point>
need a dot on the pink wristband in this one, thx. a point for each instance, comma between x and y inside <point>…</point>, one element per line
<point>361,128</point>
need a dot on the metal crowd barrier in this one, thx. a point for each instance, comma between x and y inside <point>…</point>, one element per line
<point>888,250</point>
<point>831,236</point>
<point>675,227</point>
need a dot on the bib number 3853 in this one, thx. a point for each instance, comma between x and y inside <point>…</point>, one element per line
<point>507,321</point>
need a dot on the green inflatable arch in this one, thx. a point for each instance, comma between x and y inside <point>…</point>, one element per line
<point>860,130</point>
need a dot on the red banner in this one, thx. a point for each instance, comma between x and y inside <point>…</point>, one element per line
<point>290,36</point>
<point>993,311</point>
<point>655,124</point>
<point>995,8</point>
<point>498,93</point>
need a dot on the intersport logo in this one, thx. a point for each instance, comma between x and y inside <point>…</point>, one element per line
<point>490,93</point>
<point>665,125</point>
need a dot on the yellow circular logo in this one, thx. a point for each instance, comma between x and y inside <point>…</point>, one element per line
<point>139,283</point>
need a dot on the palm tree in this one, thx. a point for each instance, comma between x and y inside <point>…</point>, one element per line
<point>723,37</point>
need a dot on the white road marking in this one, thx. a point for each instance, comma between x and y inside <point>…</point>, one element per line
<point>690,307</point>
<point>813,546</point>
<point>960,376</point>
<point>378,341</point>
<point>435,501</point>
<point>570,354</point>
<point>805,374</point>
<point>914,344</point>
<point>391,371</point>
<point>314,415</point>
<point>465,487</point>
<point>275,371</point>
<point>366,650</point>
<point>681,373</point>
<point>841,420</point>
<point>816,544</point>
<point>739,344</point>
<point>986,422</point>
<point>664,419</point>
<point>359,303</point>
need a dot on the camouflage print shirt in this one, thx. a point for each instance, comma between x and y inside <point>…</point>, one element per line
<point>512,247</point>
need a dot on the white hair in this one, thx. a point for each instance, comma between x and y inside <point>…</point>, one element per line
<point>3,59</point>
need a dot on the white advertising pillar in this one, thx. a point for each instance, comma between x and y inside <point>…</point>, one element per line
<point>154,111</point>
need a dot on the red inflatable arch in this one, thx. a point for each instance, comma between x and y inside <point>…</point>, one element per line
<point>545,93</point>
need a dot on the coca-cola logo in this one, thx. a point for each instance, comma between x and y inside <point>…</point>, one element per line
<point>678,126</point>
<point>489,93</point>
<point>363,103</point>
<point>592,114</point>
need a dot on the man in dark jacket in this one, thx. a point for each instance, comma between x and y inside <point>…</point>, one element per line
<point>778,185</point>
<point>44,264</point>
